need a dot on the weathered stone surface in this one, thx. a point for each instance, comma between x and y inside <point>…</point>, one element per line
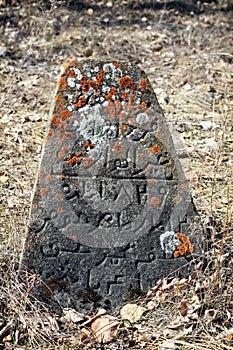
<point>112,212</point>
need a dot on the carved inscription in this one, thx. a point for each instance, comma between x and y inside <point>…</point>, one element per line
<point>110,189</point>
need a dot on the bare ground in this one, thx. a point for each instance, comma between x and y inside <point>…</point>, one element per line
<point>186,49</point>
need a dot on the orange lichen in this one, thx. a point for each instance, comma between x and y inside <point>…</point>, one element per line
<point>62,176</point>
<point>88,162</point>
<point>60,210</point>
<point>83,79</point>
<point>54,121</point>
<point>183,186</point>
<point>48,178</point>
<point>116,65</point>
<point>60,106</point>
<point>73,160</point>
<point>40,175</point>
<point>77,158</point>
<point>85,86</point>
<point>65,114</point>
<point>43,191</point>
<point>111,110</point>
<point>62,152</point>
<point>81,102</point>
<point>143,104</point>
<point>151,181</point>
<point>62,126</point>
<point>102,72</point>
<point>93,84</point>
<point>111,93</point>
<point>74,237</point>
<point>88,144</point>
<point>185,246</point>
<point>99,78</point>
<point>58,196</point>
<point>155,149</point>
<point>144,84</point>
<point>59,99</point>
<point>117,104</point>
<point>132,100</point>
<point>124,95</point>
<point>117,147</point>
<point>155,201</point>
<point>68,135</point>
<point>51,134</point>
<point>72,74</point>
<point>62,83</point>
<point>176,198</point>
<point>126,83</point>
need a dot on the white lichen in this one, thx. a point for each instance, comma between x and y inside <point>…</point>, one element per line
<point>169,243</point>
<point>78,73</point>
<point>71,82</point>
<point>142,118</point>
<point>116,73</point>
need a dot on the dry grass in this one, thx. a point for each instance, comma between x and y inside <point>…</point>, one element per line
<point>188,60</point>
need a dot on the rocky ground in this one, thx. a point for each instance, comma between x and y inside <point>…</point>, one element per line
<point>186,49</point>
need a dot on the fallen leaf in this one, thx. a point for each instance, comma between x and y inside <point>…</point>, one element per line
<point>132,312</point>
<point>7,338</point>
<point>71,315</point>
<point>105,328</point>
<point>100,312</point>
<point>85,334</point>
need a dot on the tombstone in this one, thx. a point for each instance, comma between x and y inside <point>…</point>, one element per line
<point>112,212</point>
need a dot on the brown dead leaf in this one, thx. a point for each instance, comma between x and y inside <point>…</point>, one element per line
<point>71,315</point>
<point>100,312</point>
<point>105,328</point>
<point>132,312</point>
<point>85,334</point>
<point>7,338</point>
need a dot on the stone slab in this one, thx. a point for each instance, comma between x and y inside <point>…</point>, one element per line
<point>112,212</point>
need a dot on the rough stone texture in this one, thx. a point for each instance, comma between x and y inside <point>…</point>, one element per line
<point>112,212</point>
